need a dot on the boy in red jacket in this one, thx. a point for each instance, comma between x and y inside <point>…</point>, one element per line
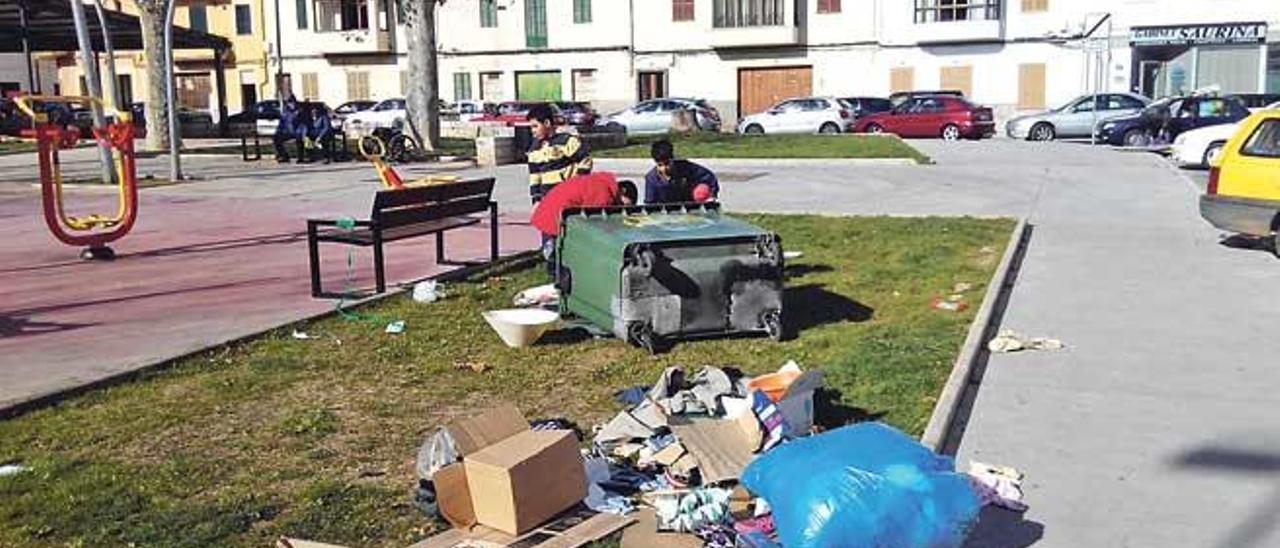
<point>597,189</point>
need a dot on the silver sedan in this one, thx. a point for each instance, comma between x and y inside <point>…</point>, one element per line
<point>1076,118</point>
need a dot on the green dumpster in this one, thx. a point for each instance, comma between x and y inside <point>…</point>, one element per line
<point>651,274</point>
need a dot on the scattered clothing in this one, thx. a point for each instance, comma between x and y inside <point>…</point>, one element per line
<point>700,395</point>
<point>997,485</point>
<point>631,396</point>
<point>766,411</point>
<point>1008,341</point>
<point>762,524</point>
<point>685,177</point>
<point>555,160</point>
<point>598,473</point>
<point>686,512</point>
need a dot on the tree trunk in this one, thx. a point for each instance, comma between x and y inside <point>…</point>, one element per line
<point>151,16</point>
<point>424,92</point>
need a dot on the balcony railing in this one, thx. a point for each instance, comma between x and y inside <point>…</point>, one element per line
<point>940,11</point>
<point>730,14</point>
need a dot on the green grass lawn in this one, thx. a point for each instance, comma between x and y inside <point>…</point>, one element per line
<point>729,145</point>
<point>317,438</point>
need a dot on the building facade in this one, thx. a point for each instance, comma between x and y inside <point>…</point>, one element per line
<point>743,55</point>
<point>243,22</point>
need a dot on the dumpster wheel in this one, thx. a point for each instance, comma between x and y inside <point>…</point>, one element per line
<point>641,334</point>
<point>772,321</point>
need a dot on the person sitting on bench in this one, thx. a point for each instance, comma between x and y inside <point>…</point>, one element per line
<point>321,134</point>
<point>677,181</point>
<point>598,189</point>
<point>286,129</point>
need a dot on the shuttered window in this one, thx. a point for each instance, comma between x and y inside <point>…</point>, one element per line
<point>488,13</point>
<point>357,85</point>
<point>828,6</point>
<point>310,85</point>
<point>301,9</point>
<point>581,11</point>
<point>1031,85</point>
<point>535,23</point>
<point>681,10</point>
<point>902,79</point>
<point>1029,6</point>
<point>959,78</point>
<point>461,86</point>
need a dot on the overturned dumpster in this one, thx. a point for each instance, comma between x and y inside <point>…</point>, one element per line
<point>654,274</point>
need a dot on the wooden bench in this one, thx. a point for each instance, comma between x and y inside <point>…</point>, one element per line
<point>407,213</point>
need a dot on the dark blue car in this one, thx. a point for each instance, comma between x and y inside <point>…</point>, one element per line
<point>1163,120</point>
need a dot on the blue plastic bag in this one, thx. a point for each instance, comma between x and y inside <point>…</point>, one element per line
<point>866,485</point>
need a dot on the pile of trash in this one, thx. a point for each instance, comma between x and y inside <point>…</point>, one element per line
<point>700,458</point>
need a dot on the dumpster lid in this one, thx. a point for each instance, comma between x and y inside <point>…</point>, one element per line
<point>662,222</point>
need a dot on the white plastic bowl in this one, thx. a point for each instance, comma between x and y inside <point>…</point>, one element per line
<point>520,326</point>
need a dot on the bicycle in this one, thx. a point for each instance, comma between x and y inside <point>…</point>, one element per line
<point>395,145</point>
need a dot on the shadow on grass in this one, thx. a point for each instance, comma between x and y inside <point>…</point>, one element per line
<point>797,270</point>
<point>811,305</point>
<point>829,410</point>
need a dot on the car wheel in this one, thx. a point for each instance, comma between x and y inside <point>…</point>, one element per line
<point>829,129</point>
<point>754,129</point>
<point>875,128</point>
<point>1212,153</point>
<point>1136,138</point>
<point>1042,131</point>
<point>950,132</point>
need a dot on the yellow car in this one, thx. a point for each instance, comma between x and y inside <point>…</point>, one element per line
<point>1244,183</point>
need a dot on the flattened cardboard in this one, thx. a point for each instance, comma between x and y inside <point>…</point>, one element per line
<point>526,479</point>
<point>553,535</point>
<point>722,448</point>
<point>494,425</point>
<point>453,497</point>
<point>644,534</point>
<point>669,454</point>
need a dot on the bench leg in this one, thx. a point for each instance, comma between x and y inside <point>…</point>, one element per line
<point>440,247</point>
<point>313,248</point>
<point>379,272</point>
<point>493,231</point>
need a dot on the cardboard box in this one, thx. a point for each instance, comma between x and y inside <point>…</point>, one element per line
<point>722,447</point>
<point>516,478</point>
<point>573,529</point>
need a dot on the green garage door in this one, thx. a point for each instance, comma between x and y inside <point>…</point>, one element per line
<point>538,86</point>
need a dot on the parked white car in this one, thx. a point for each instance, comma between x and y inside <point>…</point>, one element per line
<point>801,115</point>
<point>468,110</point>
<point>654,115</point>
<point>1201,147</point>
<point>388,113</point>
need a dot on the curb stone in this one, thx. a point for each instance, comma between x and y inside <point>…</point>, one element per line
<point>958,383</point>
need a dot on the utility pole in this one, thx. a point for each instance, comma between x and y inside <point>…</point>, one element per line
<point>280,94</point>
<point>91,82</point>
<point>175,145</point>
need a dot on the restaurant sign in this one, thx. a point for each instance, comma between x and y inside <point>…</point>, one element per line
<point>1188,35</point>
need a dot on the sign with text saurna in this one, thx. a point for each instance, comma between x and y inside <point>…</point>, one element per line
<point>1186,35</point>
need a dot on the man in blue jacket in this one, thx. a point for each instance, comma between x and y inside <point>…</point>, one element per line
<point>287,130</point>
<point>321,133</point>
<point>677,181</point>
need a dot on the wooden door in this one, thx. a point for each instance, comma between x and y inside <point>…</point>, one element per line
<point>760,88</point>
<point>1031,80</point>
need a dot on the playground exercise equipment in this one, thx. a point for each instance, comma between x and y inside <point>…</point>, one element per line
<point>93,231</point>
<point>374,149</point>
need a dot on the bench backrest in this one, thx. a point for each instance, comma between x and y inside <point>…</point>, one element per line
<point>392,208</point>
